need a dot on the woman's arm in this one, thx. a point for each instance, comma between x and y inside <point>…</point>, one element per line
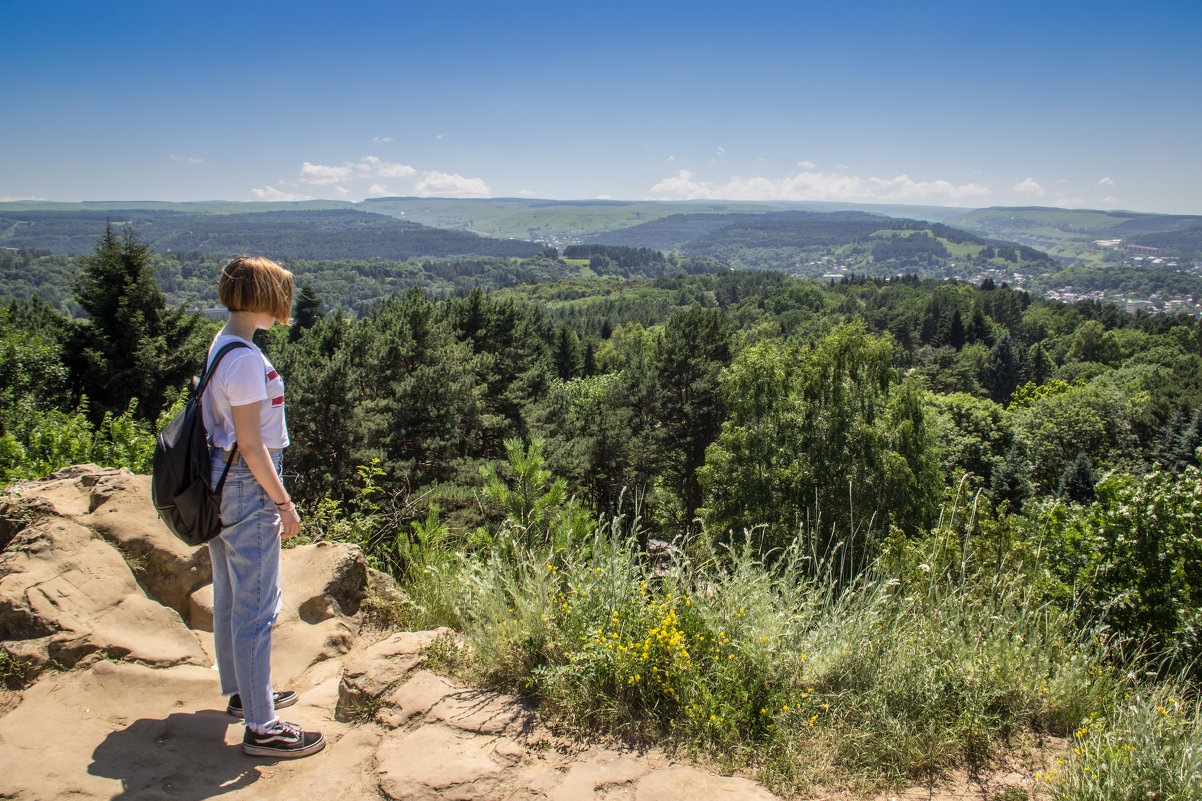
<point>249,433</point>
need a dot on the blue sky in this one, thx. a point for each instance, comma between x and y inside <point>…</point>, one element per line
<point>972,103</point>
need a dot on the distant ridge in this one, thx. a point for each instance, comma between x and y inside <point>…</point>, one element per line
<point>341,233</point>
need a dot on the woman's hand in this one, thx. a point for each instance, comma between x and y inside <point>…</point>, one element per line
<point>290,522</point>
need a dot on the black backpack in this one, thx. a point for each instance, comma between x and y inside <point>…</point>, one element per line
<point>179,478</point>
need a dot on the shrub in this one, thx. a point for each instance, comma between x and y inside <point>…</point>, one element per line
<point>1133,559</point>
<point>37,442</point>
<point>1148,749</point>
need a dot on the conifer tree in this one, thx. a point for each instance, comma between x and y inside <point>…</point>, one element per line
<point>978,328</point>
<point>131,347</point>
<point>567,356</point>
<point>1038,367</point>
<point>306,312</point>
<point>956,335</point>
<point>1011,480</point>
<point>689,406</point>
<point>1003,370</point>
<point>1077,482</point>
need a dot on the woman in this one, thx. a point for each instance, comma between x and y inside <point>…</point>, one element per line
<point>244,405</point>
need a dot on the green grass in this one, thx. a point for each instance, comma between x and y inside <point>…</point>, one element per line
<point>896,679</point>
<point>1149,748</point>
<point>946,654</point>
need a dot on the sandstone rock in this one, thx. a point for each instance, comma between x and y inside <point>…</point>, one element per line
<point>483,712</point>
<point>321,583</point>
<point>324,580</point>
<point>168,569</point>
<point>200,609</point>
<point>17,513</point>
<point>416,697</point>
<point>681,781</point>
<point>434,762</point>
<point>370,674</point>
<point>129,731</point>
<point>72,595</point>
<point>69,491</point>
<point>608,769</point>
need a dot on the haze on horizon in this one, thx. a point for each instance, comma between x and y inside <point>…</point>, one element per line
<point>964,104</point>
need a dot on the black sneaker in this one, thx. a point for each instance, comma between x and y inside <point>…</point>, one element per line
<point>283,740</point>
<point>280,699</point>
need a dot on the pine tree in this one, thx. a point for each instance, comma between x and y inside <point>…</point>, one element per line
<point>1077,482</point>
<point>978,328</point>
<point>306,312</point>
<point>1179,441</point>
<point>956,335</point>
<point>1011,480</point>
<point>567,357</point>
<point>1003,370</point>
<point>1038,367</point>
<point>131,347</point>
<point>689,407</point>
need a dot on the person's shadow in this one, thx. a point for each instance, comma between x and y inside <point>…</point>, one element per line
<point>183,758</point>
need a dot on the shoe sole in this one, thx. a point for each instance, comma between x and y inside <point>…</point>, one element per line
<point>238,713</point>
<point>285,753</point>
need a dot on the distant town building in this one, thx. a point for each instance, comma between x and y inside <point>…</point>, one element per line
<point>1144,249</point>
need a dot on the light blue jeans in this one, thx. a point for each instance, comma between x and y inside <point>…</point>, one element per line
<point>246,587</point>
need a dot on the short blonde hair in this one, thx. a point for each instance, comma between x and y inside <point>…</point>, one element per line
<point>255,284</point>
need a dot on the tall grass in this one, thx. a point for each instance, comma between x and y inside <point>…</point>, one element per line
<point>1149,748</point>
<point>914,667</point>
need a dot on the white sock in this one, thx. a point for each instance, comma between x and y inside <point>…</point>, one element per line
<point>265,728</point>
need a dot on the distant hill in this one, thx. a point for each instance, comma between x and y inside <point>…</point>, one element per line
<point>554,222</point>
<point>813,244</point>
<point>1185,244</point>
<point>1068,234</point>
<point>342,233</point>
<point>561,222</point>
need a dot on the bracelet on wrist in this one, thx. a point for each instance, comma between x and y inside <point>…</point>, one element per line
<point>287,500</point>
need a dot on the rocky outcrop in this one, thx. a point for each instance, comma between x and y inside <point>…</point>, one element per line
<point>66,595</point>
<point>95,589</point>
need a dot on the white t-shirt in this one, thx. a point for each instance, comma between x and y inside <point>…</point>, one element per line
<point>244,376</point>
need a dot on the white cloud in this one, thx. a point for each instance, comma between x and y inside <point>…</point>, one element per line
<point>605,197</point>
<point>321,175</point>
<point>271,193</point>
<point>11,199</point>
<point>1109,201</point>
<point>808,165</point>
<point>438,136</point>
<point>441,184</point>
<point>1107,181</point>
<point>671,158</point>
<point>1069,202</point>
<point>814,186</point>
<point>525,193</point>
<point>379,190</point>
<point>381,139</point>
<point>1030,187</point>
<point>189,159</point>
<point>341,191</point>
<point>720,152</point>
<point>366,167</point>
<point>371,165</point>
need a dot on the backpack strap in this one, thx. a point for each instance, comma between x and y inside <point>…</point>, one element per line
<point>211,367</point>
<point>205,375</point>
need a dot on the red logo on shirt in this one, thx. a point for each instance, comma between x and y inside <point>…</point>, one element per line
<point>277,401</point>
<point>273,375</point>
